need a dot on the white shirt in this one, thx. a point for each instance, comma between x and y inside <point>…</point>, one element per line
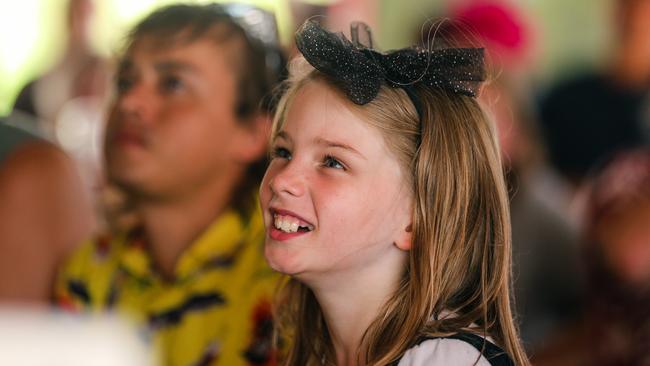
<point>443,352</point>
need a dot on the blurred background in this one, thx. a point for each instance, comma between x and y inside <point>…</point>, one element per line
<point>569,93</point>
<point>33,33</point>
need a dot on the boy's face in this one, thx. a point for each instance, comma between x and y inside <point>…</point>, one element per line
<point>333,178</point>
<point>172,126</point>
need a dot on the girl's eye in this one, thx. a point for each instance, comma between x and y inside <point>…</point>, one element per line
<point>280,152</point>
<point>331,162</point>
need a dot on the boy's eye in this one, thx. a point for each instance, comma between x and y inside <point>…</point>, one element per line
<point>331,162</point>
<point>280,152</point>
<point>171,83</point>
<point>123,83</point>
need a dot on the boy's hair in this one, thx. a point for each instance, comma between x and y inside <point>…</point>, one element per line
<point>185,23</point>
<point>458,274</point>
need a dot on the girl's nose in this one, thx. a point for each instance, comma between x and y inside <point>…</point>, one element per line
<point>287,180</point>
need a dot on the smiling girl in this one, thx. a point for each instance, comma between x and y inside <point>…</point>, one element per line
<point>385,202</point>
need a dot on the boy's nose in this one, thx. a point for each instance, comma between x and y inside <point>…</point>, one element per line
<point>137,102</point>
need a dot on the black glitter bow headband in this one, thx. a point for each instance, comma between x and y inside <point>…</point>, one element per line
<point>359,70</point>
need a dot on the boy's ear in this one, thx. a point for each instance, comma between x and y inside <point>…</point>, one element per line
<point>254,138</point>
<point>405,239</point>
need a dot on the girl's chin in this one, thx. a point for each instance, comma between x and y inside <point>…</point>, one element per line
<point>280,259</point>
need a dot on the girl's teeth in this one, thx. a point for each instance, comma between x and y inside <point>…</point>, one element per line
<point>287,224</point>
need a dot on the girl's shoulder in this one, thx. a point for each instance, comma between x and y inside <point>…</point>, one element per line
<point>460,349</point>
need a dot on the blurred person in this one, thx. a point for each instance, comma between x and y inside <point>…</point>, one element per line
<point>68,100</point>
<point>336,14</point>
<point>546,276</point>
<point>588,118</point>
<point>79,72</point>
<point>185,142</point>
<point>43,215</point>
<point>548,279</point>
<point>616,327</point>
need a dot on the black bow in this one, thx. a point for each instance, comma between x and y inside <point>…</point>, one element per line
<point>360,70</point>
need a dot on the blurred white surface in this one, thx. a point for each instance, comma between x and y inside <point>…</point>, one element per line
<point>45,338</point>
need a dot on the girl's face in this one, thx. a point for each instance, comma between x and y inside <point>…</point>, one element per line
<point>334,198</point>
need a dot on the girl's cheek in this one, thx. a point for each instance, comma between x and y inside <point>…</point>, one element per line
<point>265,187</point>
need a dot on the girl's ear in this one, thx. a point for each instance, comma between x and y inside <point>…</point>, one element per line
<point>405,239</point>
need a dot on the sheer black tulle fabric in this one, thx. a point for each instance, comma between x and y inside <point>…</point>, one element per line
<point>359,70</point>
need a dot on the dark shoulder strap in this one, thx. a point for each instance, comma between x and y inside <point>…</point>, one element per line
<point>495,355</point>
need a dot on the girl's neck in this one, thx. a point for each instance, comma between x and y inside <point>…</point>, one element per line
<point>351,301</point>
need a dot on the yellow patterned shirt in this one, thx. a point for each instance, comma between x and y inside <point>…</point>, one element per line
<point>216,311</point>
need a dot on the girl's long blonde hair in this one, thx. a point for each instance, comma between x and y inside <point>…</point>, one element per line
<point>458,274</point>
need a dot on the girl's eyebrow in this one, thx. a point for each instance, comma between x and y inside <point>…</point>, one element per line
<point>340,145</point>
<point>321,141</point>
